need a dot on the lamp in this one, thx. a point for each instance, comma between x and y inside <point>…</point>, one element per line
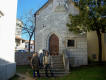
<point>1,14</point>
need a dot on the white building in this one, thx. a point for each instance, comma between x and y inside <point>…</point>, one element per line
<point>20,43</point>
<point>31,45</point>
<point>19,26</point>
<point>52,34</point>
<point>7,38</point>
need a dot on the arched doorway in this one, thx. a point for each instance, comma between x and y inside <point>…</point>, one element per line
<point>54,45</point>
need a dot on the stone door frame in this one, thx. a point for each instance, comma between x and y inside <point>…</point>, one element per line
<point>47,40</point>
<point>54,44</point>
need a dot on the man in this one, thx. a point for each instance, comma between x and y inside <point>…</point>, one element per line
<point>41,54</point>
<point>35,64</point>
<point>47,64</point>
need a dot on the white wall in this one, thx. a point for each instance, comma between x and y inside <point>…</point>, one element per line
<point>7,29</point>
<point>21,47</point>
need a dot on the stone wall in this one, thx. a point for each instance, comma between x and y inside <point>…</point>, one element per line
<point>49,22</point>
<point>23,58</point>
<point>77,55</point>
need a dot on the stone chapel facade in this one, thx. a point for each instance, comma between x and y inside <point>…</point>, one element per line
<point>52,33</point>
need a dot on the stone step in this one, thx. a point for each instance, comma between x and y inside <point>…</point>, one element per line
<point>42,74</point>
<point>58,67</point>
<point>58,70</point>
<point>57,57</point>
<point>57,62</point>
<point>56,74</point>
<point>54,70</point>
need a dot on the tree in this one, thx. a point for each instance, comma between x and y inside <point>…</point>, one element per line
<point>29,27</point>
<point>91,17</point>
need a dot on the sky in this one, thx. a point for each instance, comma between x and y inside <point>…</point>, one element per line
<point>24,6</point>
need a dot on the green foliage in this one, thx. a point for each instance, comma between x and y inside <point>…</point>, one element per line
<point>91,17</point>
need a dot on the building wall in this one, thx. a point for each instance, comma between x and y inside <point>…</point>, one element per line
<point>20,44</point>
<point>93,49</point>
<point>31,47</point>
<point>7,38</point>
<point>92,45</point>
<point>105,46</point>
<point>50,22</point>
<point>19,26</point>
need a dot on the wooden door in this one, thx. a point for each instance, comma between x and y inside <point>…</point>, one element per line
<point>54,45</point>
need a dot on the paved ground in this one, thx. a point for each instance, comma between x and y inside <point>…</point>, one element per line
<point>24,76</point>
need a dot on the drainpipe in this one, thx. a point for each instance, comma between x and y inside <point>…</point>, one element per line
<point>34,31</point>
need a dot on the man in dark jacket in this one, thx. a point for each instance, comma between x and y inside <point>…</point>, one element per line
<point>35,64</point>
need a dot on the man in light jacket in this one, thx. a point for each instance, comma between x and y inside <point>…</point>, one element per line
<point>47,64</point>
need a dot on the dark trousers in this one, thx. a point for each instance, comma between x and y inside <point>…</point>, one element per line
<point>41,65</point>
<point>34,75</point>
<point>48,68</point>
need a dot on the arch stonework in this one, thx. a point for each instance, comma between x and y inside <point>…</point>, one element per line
<point>48,37</point>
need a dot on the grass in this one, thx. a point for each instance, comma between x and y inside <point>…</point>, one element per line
<point>91,72</point>
<point>14,78</point>
<point>88,73</point>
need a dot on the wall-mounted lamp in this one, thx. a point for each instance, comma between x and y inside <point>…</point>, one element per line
<point>1,14</point>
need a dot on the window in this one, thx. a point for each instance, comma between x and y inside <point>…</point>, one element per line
<point>31,47</point>
<point>70,43</point>
<point>25,46</point>
<point>23,41</point>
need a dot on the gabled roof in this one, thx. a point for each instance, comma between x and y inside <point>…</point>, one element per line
<point>44,6</point>
<point>19,38</point>
<point>48,2</point>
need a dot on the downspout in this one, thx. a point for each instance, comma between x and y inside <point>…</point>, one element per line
<point>34,31</point>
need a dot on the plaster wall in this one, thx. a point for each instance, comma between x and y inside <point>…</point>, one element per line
<point>7,38</point>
